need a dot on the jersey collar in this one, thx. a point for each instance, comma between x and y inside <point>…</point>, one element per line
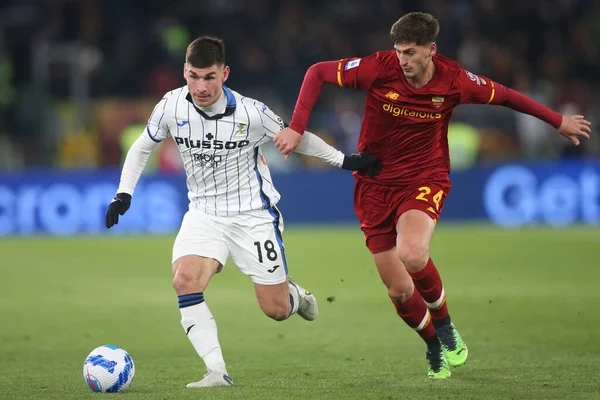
<point>229,108</point>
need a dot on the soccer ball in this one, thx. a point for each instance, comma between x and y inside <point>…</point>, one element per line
<point>108,369</point>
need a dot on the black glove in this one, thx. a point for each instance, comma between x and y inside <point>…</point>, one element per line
<point>119,205</point>
<point>362,162</point>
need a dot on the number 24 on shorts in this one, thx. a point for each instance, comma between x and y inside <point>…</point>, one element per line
<point>425,191</point>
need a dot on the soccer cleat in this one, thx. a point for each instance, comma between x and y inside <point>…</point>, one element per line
<point>212,379</point>
<point>455,349</point>
<point>437,367</point>
<point>307,307</point>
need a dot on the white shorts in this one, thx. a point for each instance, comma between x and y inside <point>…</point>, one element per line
<point>253,238</point>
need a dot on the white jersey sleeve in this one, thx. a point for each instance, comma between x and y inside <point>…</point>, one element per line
<point>157,128</point>
<point>271,122</point>
<point>310,145</point>
<point>156,131</point>
<point>135,162</point>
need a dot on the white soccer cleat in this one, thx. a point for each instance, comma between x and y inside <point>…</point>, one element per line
<point>212,379</point>
<point>307,307</point>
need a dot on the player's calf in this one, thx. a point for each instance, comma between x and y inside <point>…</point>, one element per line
<point>278,312</point>
<point>274,300</point>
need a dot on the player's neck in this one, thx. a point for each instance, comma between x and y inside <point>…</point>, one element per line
<point>425,77</point>
<point>218,107</point>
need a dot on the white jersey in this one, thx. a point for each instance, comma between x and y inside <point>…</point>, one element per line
<point>226,171</point>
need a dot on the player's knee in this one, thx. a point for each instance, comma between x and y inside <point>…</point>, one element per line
<point>413,256</point>
<point>190,277</point>
<point>183,281</point>
<point>399,293</point>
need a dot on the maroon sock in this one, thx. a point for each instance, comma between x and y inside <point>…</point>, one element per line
<point>416,315</point>
<point>429,284</point>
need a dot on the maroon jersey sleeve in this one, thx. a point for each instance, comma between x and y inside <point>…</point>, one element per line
<point>481,90</point>
<point>357,73</point>
<point>316,76</point>
<point>360,73</point>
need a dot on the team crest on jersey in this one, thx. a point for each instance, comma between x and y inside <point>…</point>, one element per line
<point>240,128</point>
<point>351,64</point>
<point>280,122</point>
<point>437,101</point>
<point>392,95</point>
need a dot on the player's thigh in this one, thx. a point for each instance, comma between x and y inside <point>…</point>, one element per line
<point>415,230</point>
<point>274,300</point>
<point>393,274</point>
<point>417,216</point>
<point>256,242</point>
<point>376,215</point>
<point>199,246</point>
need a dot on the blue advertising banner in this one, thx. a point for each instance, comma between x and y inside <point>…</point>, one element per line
<point>514,195</point>
<point>510,195</point>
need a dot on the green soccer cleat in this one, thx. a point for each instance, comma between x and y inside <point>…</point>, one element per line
<point>455,349</point>
<point>437,367</point>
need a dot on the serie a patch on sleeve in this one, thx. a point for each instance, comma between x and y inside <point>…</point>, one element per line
<point>351,64</point>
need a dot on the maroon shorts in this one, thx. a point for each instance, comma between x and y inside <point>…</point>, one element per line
<point>379,207</point>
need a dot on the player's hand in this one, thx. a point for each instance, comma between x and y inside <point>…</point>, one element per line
<point>286,141</point>
<point>118,206</point>
<point>362,162</point>
<point>574,127</point>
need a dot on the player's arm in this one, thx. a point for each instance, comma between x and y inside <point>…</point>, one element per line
<point>314,146</point>
<point>481,90</point>
<point>357,73</point>
<point>135,162</point>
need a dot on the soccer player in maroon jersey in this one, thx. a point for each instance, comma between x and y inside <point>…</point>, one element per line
<point>411,92</point>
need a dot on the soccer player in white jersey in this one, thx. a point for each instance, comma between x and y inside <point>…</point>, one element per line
<point>232,198</point>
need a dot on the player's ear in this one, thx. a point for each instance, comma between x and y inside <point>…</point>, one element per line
<point>226,72</point>
<point>433,49</point>
<point>184,70</point>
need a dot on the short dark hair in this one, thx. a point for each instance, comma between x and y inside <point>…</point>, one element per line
<point>415,27</point>
<point>205,52</point>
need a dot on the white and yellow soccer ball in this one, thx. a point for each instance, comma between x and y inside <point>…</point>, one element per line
<point>108,369</point>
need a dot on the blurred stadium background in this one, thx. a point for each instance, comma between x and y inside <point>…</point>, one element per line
<point>78,80</point>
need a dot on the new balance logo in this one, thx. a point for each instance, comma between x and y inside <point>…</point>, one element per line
<point>182,123</point>
<point>392,95</point>
<point>273,269</point>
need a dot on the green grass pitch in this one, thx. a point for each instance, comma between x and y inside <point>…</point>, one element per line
<point>524,301</point>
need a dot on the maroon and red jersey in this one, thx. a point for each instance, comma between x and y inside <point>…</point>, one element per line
<point>405,126</point>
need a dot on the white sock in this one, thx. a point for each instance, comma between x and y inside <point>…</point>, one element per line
<point>294,298</point>
<point>198,322</point>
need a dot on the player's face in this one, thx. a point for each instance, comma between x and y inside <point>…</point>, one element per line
<point>205,84</point>
<point>413,58</point>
